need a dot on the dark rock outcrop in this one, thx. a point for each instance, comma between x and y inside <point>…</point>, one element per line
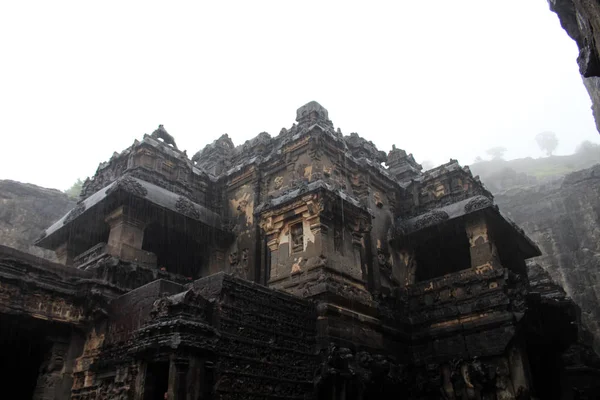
<point>581,20</point>
<point>563,217</point>
<point>593,87</point>
<point>26,210</point>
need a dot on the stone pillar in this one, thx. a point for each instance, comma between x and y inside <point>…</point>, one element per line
<point>216,261</point>
<point>126,237</point>
<point>65,253</point>
<point>409,264</point>
<point>140,381</point>
<point>178,370</point>
<point>484,254</point>
<point>196,379</point>
<point>360,257</point>
<point>318,226</point>
<point>519,370</point>
<point>125,229</point>
<point>273,253</point>
<point>504,385</point>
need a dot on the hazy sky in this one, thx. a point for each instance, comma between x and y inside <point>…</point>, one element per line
<point>441,79</point>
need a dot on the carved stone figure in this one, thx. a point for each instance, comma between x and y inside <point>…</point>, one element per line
<point>233,258</point>
<point>161,133</point>
<point>377,199</point>
<point>186,207</point>
<point>278,183</point>
<point>297,236</point>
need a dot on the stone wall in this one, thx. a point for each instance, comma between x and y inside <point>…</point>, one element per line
<point>25,211</point>
<point>281,362</point>
<point>563,217</point>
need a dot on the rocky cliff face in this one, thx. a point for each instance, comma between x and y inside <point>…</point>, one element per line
<point>25,211</point>
<point>581,21</point>
<point>593,87</point>
<point>563,217</point>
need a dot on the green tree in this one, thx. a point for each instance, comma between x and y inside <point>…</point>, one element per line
<point>547,142</point>
<point>586,147</point>
<point>74,191</point>
<point>497,152</point>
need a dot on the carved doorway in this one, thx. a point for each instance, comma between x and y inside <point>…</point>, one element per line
<point>156,383</point>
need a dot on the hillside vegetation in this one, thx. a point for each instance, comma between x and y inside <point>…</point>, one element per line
<point>498,174</point>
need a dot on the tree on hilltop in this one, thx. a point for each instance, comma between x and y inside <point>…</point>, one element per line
<point>497,152</point>
<point>586,146</point>
<point>547,142</point>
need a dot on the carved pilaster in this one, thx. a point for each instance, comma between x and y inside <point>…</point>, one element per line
<point>484,254</point>
<point>65,254</point>
<point>409,261</point>
<point>140,380</point>
<point>125,228</point>
<point>178,370</point>
<point>126,236</point>
<point>519,369</point>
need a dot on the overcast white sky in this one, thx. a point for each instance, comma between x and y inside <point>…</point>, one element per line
<point>441,79</point>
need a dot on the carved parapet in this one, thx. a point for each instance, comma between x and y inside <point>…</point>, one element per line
<point>130,253</point>
<point>296,145</point>
<point>90,255</point>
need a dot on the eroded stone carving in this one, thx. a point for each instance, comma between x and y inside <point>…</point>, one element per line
<point>431,218</point>
<point>478,203</point>
<point>74,213</point>
<point>130,185</point>
<point>161,133</point>
<point>186,207</point>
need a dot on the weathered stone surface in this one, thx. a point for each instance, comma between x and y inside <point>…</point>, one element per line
<point>564,219</point>
<point>592,85</point>
<point>26,211</point>
<point>581,21</point>
<point>290,267</point>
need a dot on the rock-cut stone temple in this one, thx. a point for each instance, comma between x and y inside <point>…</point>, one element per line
<point>306,265</point>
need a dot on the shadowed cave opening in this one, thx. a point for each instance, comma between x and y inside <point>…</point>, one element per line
<point>23,348</point>
<point>175,250</point>
<point>444,250</point>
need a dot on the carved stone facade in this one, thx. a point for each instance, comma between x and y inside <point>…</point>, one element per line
<point>290,267</point>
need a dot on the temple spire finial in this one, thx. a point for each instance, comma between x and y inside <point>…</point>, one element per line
<point>312,112</point>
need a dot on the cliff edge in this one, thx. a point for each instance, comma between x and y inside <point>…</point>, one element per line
<point>25,211</point>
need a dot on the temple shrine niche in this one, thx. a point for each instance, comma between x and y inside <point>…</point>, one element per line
<point>306,265</point>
